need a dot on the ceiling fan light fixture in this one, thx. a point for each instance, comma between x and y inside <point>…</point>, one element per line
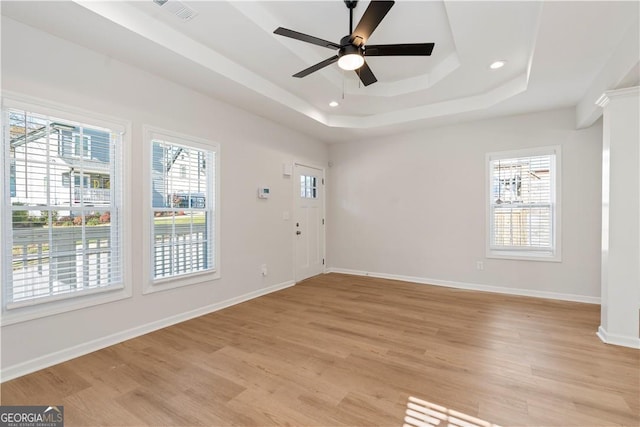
<point>351,61</point>
<point>350,57</point>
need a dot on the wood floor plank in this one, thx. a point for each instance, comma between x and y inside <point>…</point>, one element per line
<point>90,407</point>
<point>156,409</point>
<point>339,350</point>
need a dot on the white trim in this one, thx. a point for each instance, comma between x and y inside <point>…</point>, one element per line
<point>151,132</point>
<point>59,111</point>
<point>77,302</point>
<point>42,362</point>
<point>604,99</point>
<point>607,338</point>
<point>524,152</point>
<point>471,286</point>
<point>523,255</point>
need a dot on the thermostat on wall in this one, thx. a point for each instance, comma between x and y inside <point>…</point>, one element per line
<point>263,192</point>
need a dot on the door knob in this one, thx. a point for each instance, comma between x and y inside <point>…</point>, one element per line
<point>298,232</point>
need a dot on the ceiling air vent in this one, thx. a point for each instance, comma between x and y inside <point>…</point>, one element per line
<point>177,8</point>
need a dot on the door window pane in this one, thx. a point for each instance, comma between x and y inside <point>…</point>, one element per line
<point>308,187</point>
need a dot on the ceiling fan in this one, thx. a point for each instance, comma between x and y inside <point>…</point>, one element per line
<point>353,49</point>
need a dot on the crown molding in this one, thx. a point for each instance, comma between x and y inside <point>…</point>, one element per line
<point>606,97</point>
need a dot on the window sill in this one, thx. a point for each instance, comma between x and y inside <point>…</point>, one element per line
<point>524,256</point>
<point>35,309</point>
<point>173,282</point>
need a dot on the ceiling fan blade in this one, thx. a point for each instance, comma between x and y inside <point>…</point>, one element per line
<point>370,20</point>
<point>305,38</point>
<point>366,75</point>
<point>408,49</point>
<point>317,67</point>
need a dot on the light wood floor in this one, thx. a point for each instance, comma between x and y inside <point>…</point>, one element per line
<point>345,350</point>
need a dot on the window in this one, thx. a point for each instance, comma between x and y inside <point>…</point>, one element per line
<point>84,149</point>
<point>62,242</point>
<point>524,204</point>
<point>308,187</point>
<point>183,207</point>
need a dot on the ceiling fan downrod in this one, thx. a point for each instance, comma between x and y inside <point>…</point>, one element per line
<point>351,4</point>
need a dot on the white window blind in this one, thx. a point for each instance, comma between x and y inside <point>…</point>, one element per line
<point>183,207</point>
<point>522,203</point>
<point>65,198</point>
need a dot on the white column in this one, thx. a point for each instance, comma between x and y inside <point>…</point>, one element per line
<point>620,310</point>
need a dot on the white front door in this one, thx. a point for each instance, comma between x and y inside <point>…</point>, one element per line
<point>308,221</point>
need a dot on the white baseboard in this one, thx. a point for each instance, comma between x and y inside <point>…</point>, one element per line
<point>471,286</point>
<point>625,341</point>
<point>42,362</point>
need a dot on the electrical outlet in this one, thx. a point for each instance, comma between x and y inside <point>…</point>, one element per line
<point>480,265</point>
<point>263,269</point>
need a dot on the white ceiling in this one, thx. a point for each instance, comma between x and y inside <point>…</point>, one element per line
<point>558,54</point>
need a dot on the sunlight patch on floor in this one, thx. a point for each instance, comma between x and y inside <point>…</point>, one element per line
<point>421,413</point>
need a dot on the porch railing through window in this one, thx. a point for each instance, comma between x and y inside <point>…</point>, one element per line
<point>180,248</point>
<point>91,195</point>
<point>48,262</point>
<point>52,261</point>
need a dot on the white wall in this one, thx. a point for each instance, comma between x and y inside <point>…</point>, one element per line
<point>413,205</point>
<point>252,153</point>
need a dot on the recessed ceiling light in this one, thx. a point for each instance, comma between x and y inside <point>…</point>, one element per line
<point>497,64</point>
<point>333,104</point>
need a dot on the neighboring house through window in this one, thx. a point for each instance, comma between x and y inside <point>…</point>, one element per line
<point>523,205</point>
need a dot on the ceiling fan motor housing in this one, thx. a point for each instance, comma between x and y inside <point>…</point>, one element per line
<point>349,49</point>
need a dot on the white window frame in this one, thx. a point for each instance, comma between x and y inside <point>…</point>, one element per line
<point>39,308</point>
<point>152,284</point>
<point>555,253</point>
